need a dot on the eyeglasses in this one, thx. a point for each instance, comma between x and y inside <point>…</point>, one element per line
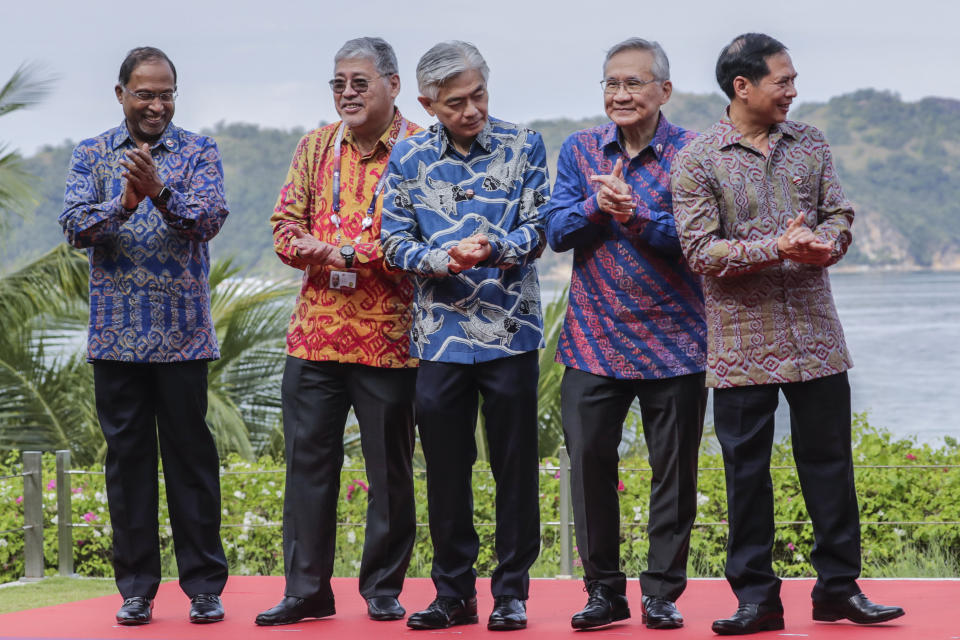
<point>360,85</point>
<point>632,85</point>
<point>149,96</point>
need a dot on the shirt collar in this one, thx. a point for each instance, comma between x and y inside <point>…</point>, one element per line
<point>389,137</point>
<point>484,138</point>
<point>728,134</point>
<point>170,140</point>
<point>611,135</point>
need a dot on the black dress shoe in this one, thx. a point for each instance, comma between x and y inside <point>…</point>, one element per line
<point>658,613</point>
<point>385,608</point>
<point>750,618</point>
<point>604,606</point>
<point>857,609</point>
<point>206,607</point>
<point>135,610</point>
<point>508,614</point>
<point>292,609</point>
<point>445,612</point>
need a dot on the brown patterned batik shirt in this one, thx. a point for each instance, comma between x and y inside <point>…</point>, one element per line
<point>768,320</point>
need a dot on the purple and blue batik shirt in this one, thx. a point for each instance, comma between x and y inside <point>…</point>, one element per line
<point>635,309</point>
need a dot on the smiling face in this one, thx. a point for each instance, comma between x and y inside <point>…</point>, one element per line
<point>369,113</point>
<point>146,121</point>
<point>461,107</point>
<point>769,100</point>
<point>634,110</point>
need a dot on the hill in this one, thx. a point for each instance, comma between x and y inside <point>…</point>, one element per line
<point>899,163</point>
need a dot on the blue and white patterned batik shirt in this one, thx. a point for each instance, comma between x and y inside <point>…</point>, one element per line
<point>435,197</point>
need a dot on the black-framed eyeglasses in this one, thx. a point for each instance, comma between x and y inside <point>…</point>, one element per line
<point>150,96</point>
<point>360,85</point>
<point>631,85</point>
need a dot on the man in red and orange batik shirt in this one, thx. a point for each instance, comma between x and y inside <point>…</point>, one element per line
<point>347,344</point>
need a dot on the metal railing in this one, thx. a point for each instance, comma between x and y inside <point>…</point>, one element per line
<point>33,509</point>
<point>32,528</point>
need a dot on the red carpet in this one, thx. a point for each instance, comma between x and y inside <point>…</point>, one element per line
<point>933,613</point>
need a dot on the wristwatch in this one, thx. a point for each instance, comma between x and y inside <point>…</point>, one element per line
<point>161,199</point>
<point>347,252</point>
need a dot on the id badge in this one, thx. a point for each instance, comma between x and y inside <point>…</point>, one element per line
<point>343,280</point>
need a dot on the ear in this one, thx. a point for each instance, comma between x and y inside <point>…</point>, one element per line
<point>394,86</point>
<point>667,91</point>
<point>426,103</point>
<point>741,87</point>
<point>119,91</point>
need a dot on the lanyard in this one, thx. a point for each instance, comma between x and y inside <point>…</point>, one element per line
<point>337,160</point>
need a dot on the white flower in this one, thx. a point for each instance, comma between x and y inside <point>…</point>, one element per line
<point>271,484</point>
<point>702,499</point>
<point>3,542</point>
<point>168,531</point>
<point>351,536</point>
<point>637,513</point>
<point>899,532</point>
<point>356,564</point>
<point>880,514</point>
<point>239,494</point>
<point>96,533</point>
<point>798,557</point>
<point>55,519</point>
<point>243,537</point>
<point>100,497</point>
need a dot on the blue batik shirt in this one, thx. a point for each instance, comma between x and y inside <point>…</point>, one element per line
<point>149,284</point>
<point>435,197</point>
<point>635,309</point>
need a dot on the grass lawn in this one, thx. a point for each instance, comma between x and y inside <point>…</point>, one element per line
<point>54,590</point>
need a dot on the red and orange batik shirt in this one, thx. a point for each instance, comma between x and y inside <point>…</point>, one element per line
<point>368,325</point>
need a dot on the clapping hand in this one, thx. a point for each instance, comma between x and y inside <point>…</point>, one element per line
<point>313,251</point>
<point>468,252</point>
<point>798,243</point>
<point>615,196</point>
<point>140,178</point>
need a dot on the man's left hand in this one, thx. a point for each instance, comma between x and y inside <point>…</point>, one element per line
<point>141,172</point>
<point>470,251</point>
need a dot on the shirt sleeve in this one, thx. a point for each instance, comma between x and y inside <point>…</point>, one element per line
<point>200,209</point>
<point>526,241</point>
<point>654,227</point>
<point>88,217</point>
<point>572,216</point>
<point>834,211</point>
<point>400,236</point>
<point>292,206</point>
<point>697,213</point>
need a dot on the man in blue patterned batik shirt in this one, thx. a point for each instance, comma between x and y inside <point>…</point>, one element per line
<point>462,214</point>
<point>144,199</point>
<point>634,328</point>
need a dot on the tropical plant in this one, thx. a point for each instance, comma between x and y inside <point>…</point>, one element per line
<point>22,90</point>
<point>46,386</point>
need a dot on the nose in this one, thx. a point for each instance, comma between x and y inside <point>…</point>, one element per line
<point>470,110</point>
<point>349,91</point>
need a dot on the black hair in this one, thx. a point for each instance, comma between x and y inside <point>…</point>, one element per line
<point>746,56</point>
<point>140,55</point>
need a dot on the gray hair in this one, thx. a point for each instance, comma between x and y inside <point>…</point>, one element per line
<point>444,61</point>
<point>377,50</point>
<point>660,67</point>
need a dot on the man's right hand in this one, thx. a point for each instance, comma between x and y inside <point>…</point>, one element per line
<point>798,243</point>
<point>313,251</point>
<point>130,199</point>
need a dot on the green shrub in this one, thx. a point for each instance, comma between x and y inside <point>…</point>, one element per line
<point>253,502</point>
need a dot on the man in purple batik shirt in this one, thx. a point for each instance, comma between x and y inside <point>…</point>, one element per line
<point>634,329</point>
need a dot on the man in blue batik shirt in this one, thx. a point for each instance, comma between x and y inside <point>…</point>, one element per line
<point>462,214</point>
<point>634,328</point>
<point>144,199</point>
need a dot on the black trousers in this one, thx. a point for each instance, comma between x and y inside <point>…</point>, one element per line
<point>820,433</point>
<point>139,404</point>
<point>593,410</point>
<point>447,399</point>
<point>316,399</point>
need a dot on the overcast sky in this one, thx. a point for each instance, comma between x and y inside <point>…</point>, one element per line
<point>267,61</point>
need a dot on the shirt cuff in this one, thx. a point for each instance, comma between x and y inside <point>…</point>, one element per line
<point>593,212</point>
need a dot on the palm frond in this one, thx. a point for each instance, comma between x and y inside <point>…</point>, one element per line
<point>25,88</point>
